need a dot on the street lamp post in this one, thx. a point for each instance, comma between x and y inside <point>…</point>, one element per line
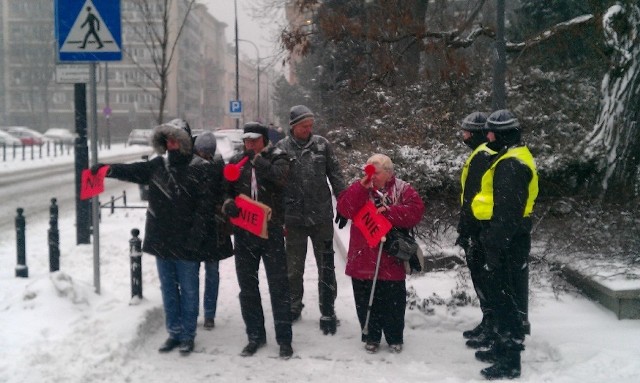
<point>235,5</point>
<point>257,75</point>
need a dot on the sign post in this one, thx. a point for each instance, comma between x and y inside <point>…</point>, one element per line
<point>88,31</point>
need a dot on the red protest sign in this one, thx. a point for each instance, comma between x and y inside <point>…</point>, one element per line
<point>92,185</point>
<point>373,226</point>
<point>253,216</point>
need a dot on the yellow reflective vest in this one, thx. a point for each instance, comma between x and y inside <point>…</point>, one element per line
<point>465,169</point>
<point>482,204</point>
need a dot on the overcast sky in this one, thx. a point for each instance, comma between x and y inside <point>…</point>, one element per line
<point>248,28</point>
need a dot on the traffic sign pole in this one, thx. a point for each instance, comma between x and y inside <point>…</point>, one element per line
<point>83,233</point>
<point>88,31</point>
<point>94,161</point>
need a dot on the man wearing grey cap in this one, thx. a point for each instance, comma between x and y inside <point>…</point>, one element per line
<point>309,212</point>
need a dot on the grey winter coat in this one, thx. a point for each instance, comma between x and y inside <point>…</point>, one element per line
<point>307,195</point>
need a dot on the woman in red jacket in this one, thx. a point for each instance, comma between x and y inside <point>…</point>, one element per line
<point>397,201</point>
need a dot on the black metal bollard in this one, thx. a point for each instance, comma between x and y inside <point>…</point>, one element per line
<point>22,270</point>
<point>135,253</point>
<point>54,237</point>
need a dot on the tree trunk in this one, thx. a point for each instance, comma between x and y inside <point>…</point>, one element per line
<point>499,96</point>
<point>410,63</point>
<point>614,143</point>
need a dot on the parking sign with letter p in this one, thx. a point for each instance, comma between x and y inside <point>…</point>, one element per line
<point>235,108</point>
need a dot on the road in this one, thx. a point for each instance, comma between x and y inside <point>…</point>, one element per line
<point>32,190</point>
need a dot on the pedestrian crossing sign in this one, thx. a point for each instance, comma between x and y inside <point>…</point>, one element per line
<point>88,30</point>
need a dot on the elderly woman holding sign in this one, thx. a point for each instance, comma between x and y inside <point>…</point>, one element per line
<point>376,203</point>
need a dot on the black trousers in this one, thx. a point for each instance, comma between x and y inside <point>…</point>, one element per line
<point>387,309</point>
<point>507,288</point>
<point>475,256</point>
<point>249,250</point>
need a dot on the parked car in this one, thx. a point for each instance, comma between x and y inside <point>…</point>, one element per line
<point>26,135</point>
<point>140,137</point>
<point>229,142</point>
<point>9,140</point>
<point>60,135</point>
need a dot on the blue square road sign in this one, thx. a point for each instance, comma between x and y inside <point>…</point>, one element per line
<point>88,30</point>
<point>235,107</point>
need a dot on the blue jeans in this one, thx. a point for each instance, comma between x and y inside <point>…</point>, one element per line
<point>179,284</point>
<point>211,284</point>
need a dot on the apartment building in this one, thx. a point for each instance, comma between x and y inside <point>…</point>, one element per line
<point>197,86</point>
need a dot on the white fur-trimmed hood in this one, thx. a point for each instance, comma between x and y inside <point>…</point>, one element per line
<point>164,131</point>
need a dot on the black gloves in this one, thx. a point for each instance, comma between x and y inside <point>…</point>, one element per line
<point>340,220</point>
<point>463,242</point>
<point>231,209</point>
<point>250,153</point>
<point>414,262</point>
<point>95,168</point>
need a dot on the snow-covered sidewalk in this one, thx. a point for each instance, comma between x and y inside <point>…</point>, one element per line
<point>56,329</point>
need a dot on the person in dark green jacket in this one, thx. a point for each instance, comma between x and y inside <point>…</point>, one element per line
<point>309,212</point>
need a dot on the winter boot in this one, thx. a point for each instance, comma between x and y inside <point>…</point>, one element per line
<point>328,324</point>
<point>485,339</point>
<point>286,351</point>
<point>485,324</point>
<point>506,367</point>
<point>488,356</point>
<point>186,347</point>
<point>209,323</point>
<point>169,345</point>
<point>371,347</point>
<point>475,332</point>
<point>252,347</point>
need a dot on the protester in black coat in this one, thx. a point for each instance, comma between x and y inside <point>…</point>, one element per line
<point>262,178</point>
<point>182,198</point>
<point>218,244</point>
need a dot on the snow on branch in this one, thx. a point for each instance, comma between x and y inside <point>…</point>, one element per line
<point>621,32</point>
<point>574,23</point>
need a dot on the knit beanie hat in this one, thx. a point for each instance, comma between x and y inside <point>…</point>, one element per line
<point>299,113</point>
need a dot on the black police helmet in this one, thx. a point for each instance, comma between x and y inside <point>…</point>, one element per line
<point>502,120</point>
<point>474,122</point>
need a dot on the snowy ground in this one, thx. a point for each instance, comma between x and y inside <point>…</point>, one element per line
<point>54,328</point>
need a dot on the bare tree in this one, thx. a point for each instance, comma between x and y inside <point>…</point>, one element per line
<point>158,25</point>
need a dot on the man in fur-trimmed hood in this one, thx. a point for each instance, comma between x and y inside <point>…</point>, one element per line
<point>177,130</point>
<point>182,199</point>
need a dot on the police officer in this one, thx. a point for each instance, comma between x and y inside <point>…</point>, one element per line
<point>473,135</point>
<point>508,191</point>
